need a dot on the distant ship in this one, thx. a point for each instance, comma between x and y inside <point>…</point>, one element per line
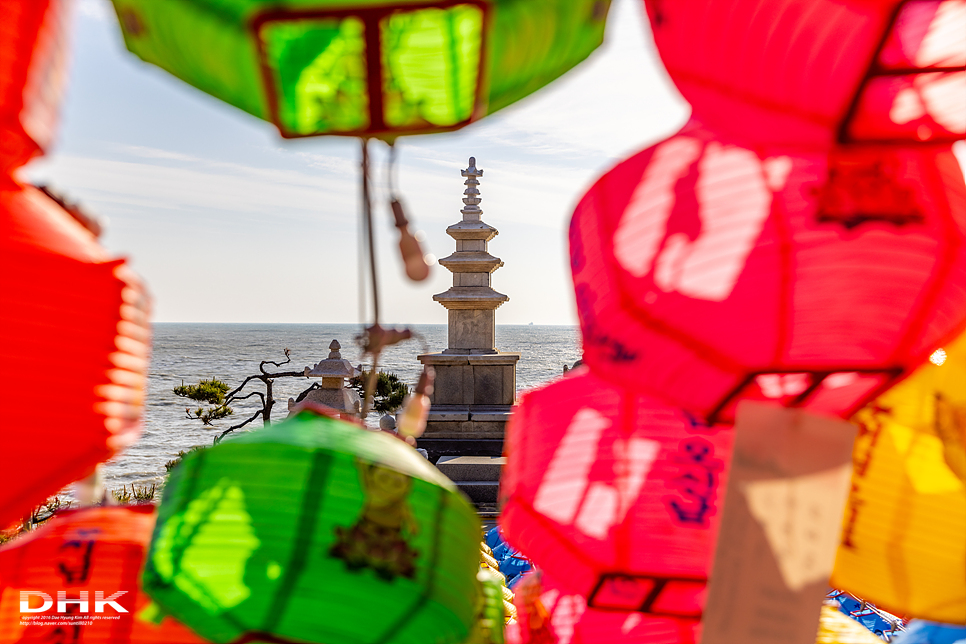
<point>531,324</point>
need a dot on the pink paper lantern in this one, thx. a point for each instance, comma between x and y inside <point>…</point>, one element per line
<point>708,271</point>
<point>563,617</point>
<point>814,72</point>
<point>614,494</point>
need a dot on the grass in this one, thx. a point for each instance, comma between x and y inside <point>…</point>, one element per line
<point>137,494</point>
<point>37,516</point>
<point>127,495</point>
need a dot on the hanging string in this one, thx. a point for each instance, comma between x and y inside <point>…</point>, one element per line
<point>363,276</point>
<point>375,348</point>
<point>414,260</point>
<point>370,232</point>
<point>391,171</point>
<point>375,338</point>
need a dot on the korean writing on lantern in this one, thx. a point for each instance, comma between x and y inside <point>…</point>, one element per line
<point>696,482</point>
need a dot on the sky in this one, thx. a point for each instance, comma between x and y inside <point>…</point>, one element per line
<point>228,222</point>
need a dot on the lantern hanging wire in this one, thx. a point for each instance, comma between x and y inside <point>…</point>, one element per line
<point>374,337</point>
<point>370,253</point>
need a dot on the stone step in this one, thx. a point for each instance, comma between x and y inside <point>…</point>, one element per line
<point>480,492</point>
<point>471,468</point>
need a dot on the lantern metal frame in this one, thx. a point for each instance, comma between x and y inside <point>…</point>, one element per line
<point>816,378</point>
<point>876,70</point>
<point>371,18</point>
<point>659,583</point>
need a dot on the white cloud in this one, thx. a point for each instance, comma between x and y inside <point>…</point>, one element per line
<point>198,184</point>
<point>154,153</point>
<point>339,165</point>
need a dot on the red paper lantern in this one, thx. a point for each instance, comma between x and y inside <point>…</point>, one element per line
<point>548,613</point>
<point>91,560</point>
<point>707,271</point>
<point>614,494</point>
<point>74,345</point>
<point>811,72</point>
<point>33,66</point>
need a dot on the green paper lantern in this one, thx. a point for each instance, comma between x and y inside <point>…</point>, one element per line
<point>315,530</point>
<point>364,67</point>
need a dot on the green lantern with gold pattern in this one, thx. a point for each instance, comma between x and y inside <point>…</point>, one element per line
<point>315,530</point>
<point>367,68</point>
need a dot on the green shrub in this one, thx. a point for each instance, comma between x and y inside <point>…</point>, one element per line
<point>181,454</point>
<point>210,391</point>
<point>390,391</point>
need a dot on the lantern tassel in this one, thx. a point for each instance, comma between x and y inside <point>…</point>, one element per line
<point>414,260</point>
<point>412,421</point>
<point>417,269</point>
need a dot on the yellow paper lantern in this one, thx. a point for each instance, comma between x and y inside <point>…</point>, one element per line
<point>903,542</point>
<point>836,628</point>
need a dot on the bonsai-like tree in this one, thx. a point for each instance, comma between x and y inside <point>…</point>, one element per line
<point>389,394</point>
<point>216,394</point>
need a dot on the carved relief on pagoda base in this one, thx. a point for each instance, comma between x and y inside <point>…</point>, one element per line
<point>474,385</point>
<point>472,329</point>
<point>468,381</point>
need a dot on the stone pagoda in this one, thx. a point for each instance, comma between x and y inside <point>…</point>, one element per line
<point>331,390</point>
<point>475,383</point>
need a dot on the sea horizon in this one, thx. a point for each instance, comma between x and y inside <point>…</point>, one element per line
<point>190,351</point>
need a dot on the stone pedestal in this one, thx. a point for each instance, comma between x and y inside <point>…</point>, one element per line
<point>473,394</point>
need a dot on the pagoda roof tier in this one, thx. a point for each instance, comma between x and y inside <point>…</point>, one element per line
<point>479,298</point>
<point>471,262</point>
<point>332,367</point>
<point>472,230</point>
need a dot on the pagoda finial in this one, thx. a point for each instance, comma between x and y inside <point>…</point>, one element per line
<point>471,196</point>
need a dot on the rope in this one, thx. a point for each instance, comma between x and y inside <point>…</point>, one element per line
<point>370,387</point>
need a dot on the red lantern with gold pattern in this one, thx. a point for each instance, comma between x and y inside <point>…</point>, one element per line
<point>75,580</point>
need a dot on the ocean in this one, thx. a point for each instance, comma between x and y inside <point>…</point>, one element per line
<point>230,352</point>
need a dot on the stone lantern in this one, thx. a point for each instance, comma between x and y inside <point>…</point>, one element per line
<point>475,383</point>
<point>332,390</point>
